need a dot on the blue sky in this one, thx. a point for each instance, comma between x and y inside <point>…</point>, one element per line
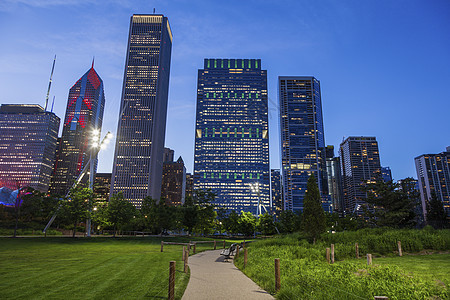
<point>384,66</point>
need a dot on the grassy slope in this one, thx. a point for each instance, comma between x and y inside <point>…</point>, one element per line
<point>96,268</point>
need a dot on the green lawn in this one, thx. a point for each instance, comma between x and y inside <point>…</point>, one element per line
<point>92,268</point>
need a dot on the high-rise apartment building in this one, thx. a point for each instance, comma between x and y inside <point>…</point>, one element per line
<point>102,186</point>
<point>433,173</point>
<point>386,174</point>
<point>173,188</point>
<point>360,165</point>
<point>27,146</point>
<point>138,159</point>
<point>334,180</point>
<point>302,139</point>
<point>276,191</point>
<point>84,114</point>
<point>189,185</point>
<point>231,137</point>
<point>168,155</point>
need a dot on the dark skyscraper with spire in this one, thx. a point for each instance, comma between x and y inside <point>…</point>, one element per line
<point>84,114</point>
<point>138,159</point>
<point>232,140</point>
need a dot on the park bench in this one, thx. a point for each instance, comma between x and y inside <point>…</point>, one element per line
<point>229,251</point>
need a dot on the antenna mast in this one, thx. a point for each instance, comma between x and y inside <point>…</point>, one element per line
<point>49,84</point>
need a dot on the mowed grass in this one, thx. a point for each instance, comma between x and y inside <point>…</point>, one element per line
<point>90,268</point>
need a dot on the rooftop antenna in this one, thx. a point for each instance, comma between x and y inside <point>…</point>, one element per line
<point>93,58</point>
<point>154,9</point>
<point>49,84</point>
<point>53,102</point>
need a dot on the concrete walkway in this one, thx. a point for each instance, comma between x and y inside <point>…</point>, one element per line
<point>213,278</point>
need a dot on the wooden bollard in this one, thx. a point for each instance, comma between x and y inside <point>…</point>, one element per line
<point>369,259</point>
<point>243,245</point>
<point>184,253</point>
<point>245,257</point>
<point>195,247</point>
<point>328,255</point>
<point>277,275</point>
<point>357,250</point>
<point>399,244</point>
<point>332,254</point>
<point>186,258</point>
<point>172,281</point>
<point>223,244</point>
<point>162,246</point>
<point>214,244</point>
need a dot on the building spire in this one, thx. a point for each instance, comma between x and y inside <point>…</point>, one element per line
<point>93,58</point>
<point>49,84</point>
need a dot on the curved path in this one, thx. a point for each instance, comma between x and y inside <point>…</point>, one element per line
<point>213,278</point>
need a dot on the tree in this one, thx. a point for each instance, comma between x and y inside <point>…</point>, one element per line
<point>205,211</point>
<point>247,223</point>
<point>231,222</point>
<point>159,217</point>
<point>119,211</point>
<point>314,222</point>
<point>77,206</point>
<point>189,212</point>
<point>266,225</point>
<point>393,203</point>
<point>289,222</point>
<point>436,215</point>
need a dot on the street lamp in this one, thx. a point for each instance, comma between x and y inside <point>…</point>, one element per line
<point>95,148</point>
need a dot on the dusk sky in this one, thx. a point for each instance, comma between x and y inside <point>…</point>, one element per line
<point>384,66</point>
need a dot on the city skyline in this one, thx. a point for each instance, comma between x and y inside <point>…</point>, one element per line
<point>388,64</point>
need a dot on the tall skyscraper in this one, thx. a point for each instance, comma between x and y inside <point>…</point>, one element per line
<point>84,114</point>
<point>27,146</point>
<point>302,139</point>
<point>360,164</point>
<point>334,180</point>
<point>231,140</point>
<point>433,173</point>
<point>173,188</point>
<point>189,185</point>
<point>138,159</point>
<point>102,186</point>
<point>276,191</point>
<point>386,174</point>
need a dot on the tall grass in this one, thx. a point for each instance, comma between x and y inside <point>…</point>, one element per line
<point>305,274</point>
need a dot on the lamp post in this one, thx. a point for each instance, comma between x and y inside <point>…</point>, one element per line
<point>95,148</point>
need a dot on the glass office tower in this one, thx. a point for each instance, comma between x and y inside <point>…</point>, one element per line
<point>137,168</point>
<point>302,139</point>
<point>84,114</point>
<point>360,165</point>
<point>27,146</point>
<point>231,138</point>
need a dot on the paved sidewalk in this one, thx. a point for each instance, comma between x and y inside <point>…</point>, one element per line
<point>213,278</point>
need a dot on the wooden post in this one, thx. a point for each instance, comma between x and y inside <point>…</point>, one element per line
<point>369,259</point>
<point>186,257</point>
<point>184,253</point>
<point>215,244</point>
<point>357,250</point>
<point>277,275</point>
<point>328,255</point>
<point>245,257</point>
<point>244,244</point>
<point>172,281</point>
<point>162,246</point>
<point>195,247</point>
<point>332,254</point>
<point>223,244</point>
<point>399,244</point>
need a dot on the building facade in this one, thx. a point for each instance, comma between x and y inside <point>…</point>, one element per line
<point>231,137</point>
<point>334,180</point>
<point>386,174</point>
<point>276,191</point>
<point>173,189</point>
<point>433,173</point>
<point>102,186</point>
<point>137,167</point>
<point>302,139</point>
<point>360,165</point>
<point>84,115</point>
<point>189,185</point>
<point>27,146</point>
